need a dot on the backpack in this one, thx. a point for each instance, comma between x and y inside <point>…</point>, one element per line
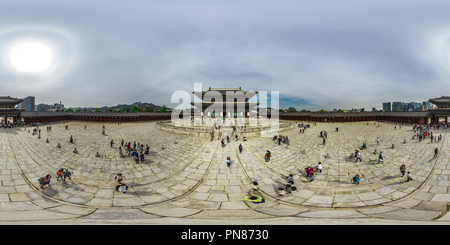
<point>294,188</point>
<point>117,188</point>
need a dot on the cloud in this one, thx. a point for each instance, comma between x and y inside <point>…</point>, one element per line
<point>342,54</point>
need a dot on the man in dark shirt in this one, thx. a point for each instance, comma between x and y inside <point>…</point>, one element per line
<point>67,174</point>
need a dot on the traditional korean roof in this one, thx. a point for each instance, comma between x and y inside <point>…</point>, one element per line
<point>222,91</point>
<point>43,114</point>
<point>443,99</point>
<point>8,99</point>
<point>360,114</point>
<point>89,114</point>
<point>8,111</point>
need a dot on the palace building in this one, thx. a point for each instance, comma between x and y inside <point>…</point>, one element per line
<point>240,104</point>
<point>242,108</point>
<point>443,108</point>
<point>8,110</point>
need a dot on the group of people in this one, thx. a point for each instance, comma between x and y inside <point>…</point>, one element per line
<point>304,127</point>
<point>281,139</point>
<point>121,186</point>
<point>137,151</point>
<point>62,173</point>
<point>288,188</point>
<point>310,171</point>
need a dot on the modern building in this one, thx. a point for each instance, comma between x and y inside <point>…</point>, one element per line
<point>397,106</point>
<point>43,107</point>
<point>54,107</point>
<point>57,106</point>
<point>427,105</point>
<point>387,106</point>
<point>28,103</point>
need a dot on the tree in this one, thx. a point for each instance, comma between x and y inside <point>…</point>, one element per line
<point>163,108</point>
<point>78,110</point>
<point>303,110</point>
<point>97,110</point>
<point>292,109</point>
<point>69,109</point>
<point>340,110</point>
<point>148,109</point>
<point>322,110</point>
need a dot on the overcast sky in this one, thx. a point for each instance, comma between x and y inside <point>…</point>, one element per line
<point>317,54</point>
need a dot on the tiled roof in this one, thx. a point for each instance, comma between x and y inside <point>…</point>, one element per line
<point>90,114</point>
<point>443,99</point>
<point>8,99</point>
<point>359,114</point>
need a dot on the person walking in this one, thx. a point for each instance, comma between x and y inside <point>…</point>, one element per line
<point>435,152</point>
<point>380,157</point>
<point>358,156</point>
<point>136,158</point>
<point>402,170</point>
<point>311,178</point>
<point>240,148</point>
<point>378,141</point>
<point>228,161</point>
<point>309,171</point>
<point>123,188</point>
<point>267,156</point>
<point>290,179</point>
<point>45,180</point>
<point>67,174</point>
<point>119,177</point>
<point>59,174</point>
<point>319,167</point>
<point>408,177</point>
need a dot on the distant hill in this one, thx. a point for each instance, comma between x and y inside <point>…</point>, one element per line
<point>121,106</point>
<point>137,104</point>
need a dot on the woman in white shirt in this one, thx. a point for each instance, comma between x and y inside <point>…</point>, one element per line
<point>319,167</point>
<point>123,188</point>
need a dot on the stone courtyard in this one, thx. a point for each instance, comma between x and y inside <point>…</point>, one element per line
<point>189,182</point>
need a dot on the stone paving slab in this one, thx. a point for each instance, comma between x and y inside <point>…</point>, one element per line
<point>194,170</point>
<point>332,214</point>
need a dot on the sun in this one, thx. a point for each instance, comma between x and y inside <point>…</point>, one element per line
<point>30,57</point>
